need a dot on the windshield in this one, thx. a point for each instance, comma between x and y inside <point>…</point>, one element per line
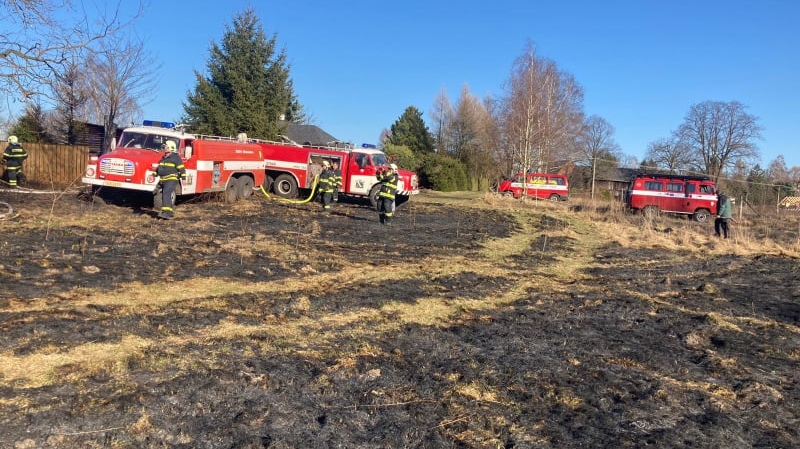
<point>144,140</point>
<point>379,159</point>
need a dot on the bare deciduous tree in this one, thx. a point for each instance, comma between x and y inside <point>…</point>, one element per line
<point>720,133</point>
<point>473,134</point>
<point>44,34</point>
<point>669,154</point>
<point>596,145</point>
<point>441,115</point>
<point>122,81</point>
<point>70,93</point>
<point>543,111</point>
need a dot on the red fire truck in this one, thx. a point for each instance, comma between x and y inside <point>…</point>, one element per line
<point>293,167</point>
<point>552,187</point>
<point>676,194</point>
<point>236,166</point>
<point>212,164</point>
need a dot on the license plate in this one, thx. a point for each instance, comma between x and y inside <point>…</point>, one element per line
<point>113,184</point>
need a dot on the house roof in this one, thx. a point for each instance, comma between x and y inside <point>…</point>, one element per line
<point>616,174</point>
<point>307,134</point>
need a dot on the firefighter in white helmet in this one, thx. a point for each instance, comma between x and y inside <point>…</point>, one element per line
<point>388,179</point>
<point>13,157</point>
<point>170,171</point>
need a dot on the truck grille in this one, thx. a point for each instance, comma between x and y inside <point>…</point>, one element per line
<point>116,166</point>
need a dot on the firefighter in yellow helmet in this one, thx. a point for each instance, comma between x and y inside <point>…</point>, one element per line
<point>13,157</point>
<point>326,186</point>
<point>388,179</point>
<point>170,171</point>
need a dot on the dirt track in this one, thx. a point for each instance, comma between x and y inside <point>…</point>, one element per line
<point>263,324</point>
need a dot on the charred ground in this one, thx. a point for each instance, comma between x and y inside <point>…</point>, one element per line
<point>464,324</point>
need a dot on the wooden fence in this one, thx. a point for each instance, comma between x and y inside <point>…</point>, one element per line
<point>53,166</point>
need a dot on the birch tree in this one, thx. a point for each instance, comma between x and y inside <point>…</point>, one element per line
<point>544,111</point>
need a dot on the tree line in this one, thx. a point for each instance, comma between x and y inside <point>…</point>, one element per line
<point>537,123</point>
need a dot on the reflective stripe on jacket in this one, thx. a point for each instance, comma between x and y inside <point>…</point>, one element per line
<point>14,154</point>
<point>170,168</point>
<point>388,185</point>
<point>327,181</point>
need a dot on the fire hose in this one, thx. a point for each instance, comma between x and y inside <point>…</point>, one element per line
<point>286,200</point>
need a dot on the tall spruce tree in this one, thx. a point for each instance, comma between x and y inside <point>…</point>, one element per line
<point>411,131</point>
<point>248,88</point>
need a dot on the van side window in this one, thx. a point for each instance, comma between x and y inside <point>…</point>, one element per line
<point>690,188</point>
<point>706,189</point>
<point>653,185</point>
<point>674,187</point>
<point>557,181</point>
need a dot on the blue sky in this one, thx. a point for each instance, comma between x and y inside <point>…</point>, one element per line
<point>357,65</point>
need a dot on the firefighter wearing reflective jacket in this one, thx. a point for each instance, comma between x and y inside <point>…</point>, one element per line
<point>388,179</point>
<point>326,186</point>
<point>337,174</point>
<point>170,171</point>
<point>13,158</point>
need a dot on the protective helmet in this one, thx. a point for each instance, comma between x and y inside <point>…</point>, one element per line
<point>170,146</point>
<point>326,164</point>
<point>393,166</point>
<point>13,139</point>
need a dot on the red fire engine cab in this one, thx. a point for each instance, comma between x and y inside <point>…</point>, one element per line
<point>291,168</point>
<point>676,194</point>
<point>212,164</point>
<point>552,187</point>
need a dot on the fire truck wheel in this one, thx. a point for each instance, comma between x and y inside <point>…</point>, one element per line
<point>285,186</point>
<point>373,195</point>
<point>555,198</point>
<point>246,185</point>
<point>232,190</point>
<point>701,215</point>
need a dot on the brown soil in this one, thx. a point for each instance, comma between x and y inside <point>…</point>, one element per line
<point>268,325</point>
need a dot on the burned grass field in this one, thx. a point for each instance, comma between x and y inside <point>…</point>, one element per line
<point>471,322</point>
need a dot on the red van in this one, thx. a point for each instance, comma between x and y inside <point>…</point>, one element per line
<point>676,194</point>
<point>543,186</point>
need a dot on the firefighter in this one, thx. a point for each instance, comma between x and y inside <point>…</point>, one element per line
<point>337,174</point>
<point>170,171</point>
<point>13,158</point>
<point>388,179</point>
<point>326,186</point>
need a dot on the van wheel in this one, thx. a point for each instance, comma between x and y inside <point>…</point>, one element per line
<point>555,198</point>
<point>650,211</point>
<point>246,187</point>
<point>701,215</point>
<point>232,190</point>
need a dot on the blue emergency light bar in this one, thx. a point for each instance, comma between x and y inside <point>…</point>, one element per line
<point>158,124</point>
<point>368,145</point>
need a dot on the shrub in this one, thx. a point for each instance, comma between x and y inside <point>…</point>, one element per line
<point>443,173</point>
